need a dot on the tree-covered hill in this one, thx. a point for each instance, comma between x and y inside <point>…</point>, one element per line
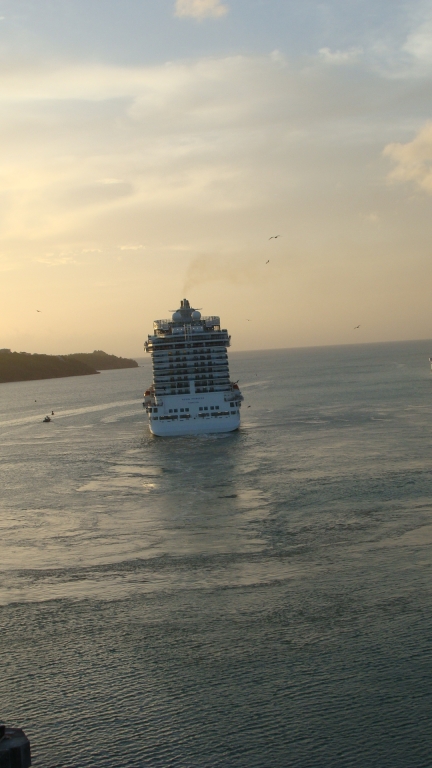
<point>102,361</point>
<point>21,366</point>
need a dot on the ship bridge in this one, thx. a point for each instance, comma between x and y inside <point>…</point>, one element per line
<point>186,318</point>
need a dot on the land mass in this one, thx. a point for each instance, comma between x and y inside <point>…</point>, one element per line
<point>22,366</point>
<point>101,360</point>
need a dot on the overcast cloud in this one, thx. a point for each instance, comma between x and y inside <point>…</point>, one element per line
<point>201,9</point>
<point>124,185</point>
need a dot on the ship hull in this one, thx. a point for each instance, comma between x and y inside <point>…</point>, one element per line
<point>195,426</point>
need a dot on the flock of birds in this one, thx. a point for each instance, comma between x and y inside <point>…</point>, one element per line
<point>273,237</point>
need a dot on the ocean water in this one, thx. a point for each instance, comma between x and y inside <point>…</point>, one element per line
<point>260,599</point>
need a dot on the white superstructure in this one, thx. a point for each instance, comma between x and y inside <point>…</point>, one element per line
<point>191,391</point>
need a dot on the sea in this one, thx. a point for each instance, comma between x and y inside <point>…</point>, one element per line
<point>260,599</point>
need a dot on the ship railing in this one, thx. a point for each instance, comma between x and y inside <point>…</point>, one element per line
<point>213,339</point>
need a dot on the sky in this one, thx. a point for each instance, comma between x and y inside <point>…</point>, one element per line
<point>150,149</point>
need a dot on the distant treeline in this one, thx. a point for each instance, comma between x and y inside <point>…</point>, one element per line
<point>22,366</point>
<point>102,361</point>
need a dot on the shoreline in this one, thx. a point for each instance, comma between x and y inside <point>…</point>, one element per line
<point>23,366</point>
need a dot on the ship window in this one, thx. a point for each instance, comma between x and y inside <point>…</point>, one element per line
<point>232,405</point>
<point>155,410</point>
<point>156,418</point>
<point>170,410</point>
<point>200,408</point>
<point>233,413</point>
<point>175,410</point>
<point>181,410</point>
<point>187,410</point>
<point>212,407</point>
<point>150,410</point>
<point>205,408</point>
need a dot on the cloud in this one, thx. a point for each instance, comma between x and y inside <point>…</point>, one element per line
<point>110,181</point>
<point>96,194</point>
<point>413,160</point>
<point>202,161</point>
<point>91,148</point>
<point>340,57</point>
<point>413,57</point>
<point>418,43</point>
<point>59,260</point>
<point>373,218</point>
<point>201,9</point>
<point>8,266</point>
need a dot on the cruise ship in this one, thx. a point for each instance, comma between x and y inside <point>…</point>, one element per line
<point>191,391</point>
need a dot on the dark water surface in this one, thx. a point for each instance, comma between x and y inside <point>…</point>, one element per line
<point>258,599</point>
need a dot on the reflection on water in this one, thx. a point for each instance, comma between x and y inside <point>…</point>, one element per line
<point>253,599</point>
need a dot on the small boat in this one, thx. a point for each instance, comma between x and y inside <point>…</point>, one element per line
<point>46,419</point>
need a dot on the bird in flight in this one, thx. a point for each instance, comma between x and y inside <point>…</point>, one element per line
<point>274,237</point>
<point>357,326</point>
<point>268,261</point>
<point>38,310</point>
<point>248,320</point>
